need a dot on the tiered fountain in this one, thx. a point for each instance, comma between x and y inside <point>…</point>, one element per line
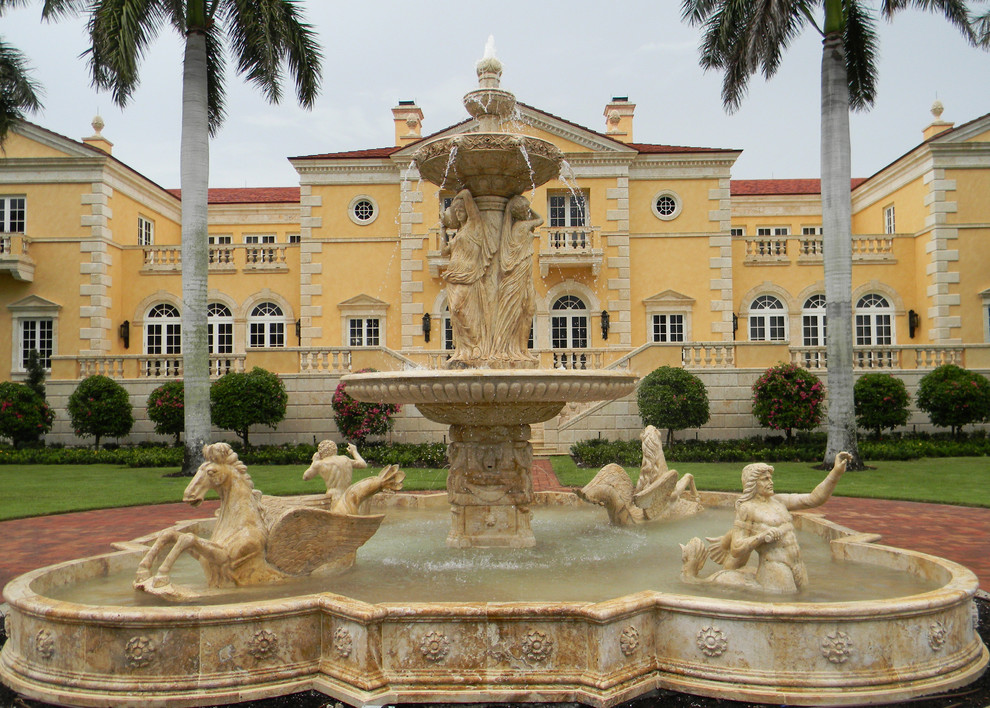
<point>586,612</point>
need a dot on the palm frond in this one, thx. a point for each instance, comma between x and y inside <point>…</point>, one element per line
<point>18,92</point>
<point>981,27</point>
<point>264,35</point>
<point>120,32</point>
<point>860,41</point>
<point>215,64</point>
<point>8,4</point>
<point>57,9</point>
<point>955,11</point>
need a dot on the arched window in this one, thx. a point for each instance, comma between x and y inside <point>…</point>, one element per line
<point>266,326</point>
<point>219,329</point>
<point>767,320</point>
<point>163,332</point>
<point>813,322</point>
<point>569,323</point>
<point>874,321</point>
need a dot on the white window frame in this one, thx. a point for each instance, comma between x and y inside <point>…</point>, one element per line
<point>814,324</point>
<point>166,327</point>
<point>146,231</point>
<point>219,329</point>
<point>31,309</point>
<point>762,315</point>
<point>363,307</point>
<point>269,325</point>
<point>364,331</point>
<point>671,196</point>
<point>889,220</point>
<point>355,209</point>
<point>873,323</point>
<point>8,204</point>
<point>668,327</point>
<point>767,231</point>
<point>811,230</point>
<point>259,239</point>
<point>570,321</point>
<point>294,238</point>
<point>567,209</point>
<point>219,240</point>
<point>737,231</point>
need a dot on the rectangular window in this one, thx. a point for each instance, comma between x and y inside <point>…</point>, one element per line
<point>668,328</point>
<point>774,231</point>
<point>223,240</point>
<point>776,328</point>
<point>737,231</point>
<point>568,210</point>
<point>220,337</point>
<point>889,225</point>
<point>364,332</point>
<point>811,230</point>
<point>767,328</point>
<point>37,335</point>
<point>294,238</point>
<point>146,231</point>
<point>259,238</point>
<point>12,214</point>
<point>164,339</point>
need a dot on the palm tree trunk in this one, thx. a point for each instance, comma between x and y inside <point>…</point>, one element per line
<point>194,178</point>
<point>837,236</point>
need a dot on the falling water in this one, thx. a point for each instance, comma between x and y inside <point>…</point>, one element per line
<point>450,161</point>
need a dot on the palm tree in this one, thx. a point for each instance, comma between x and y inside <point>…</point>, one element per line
<point>263,36</point>
<point>982,28</point>
<point>741,37</point>
<point>19,94</point>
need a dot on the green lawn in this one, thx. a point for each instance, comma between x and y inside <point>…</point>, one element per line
<point>946,480</point>
<point>34,490</point>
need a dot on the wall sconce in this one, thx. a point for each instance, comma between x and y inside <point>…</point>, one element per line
<point>299,332</point>
<point>914,323</point>
<point>735,325</point>
<point>605,324</point>
<point>125,333</point>
<point>427,325</point>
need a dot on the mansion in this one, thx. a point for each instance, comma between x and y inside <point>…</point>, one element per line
<point>650,255</point>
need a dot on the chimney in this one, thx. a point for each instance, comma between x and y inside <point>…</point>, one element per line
<point>619,119</point>
<point>96,139</point>
<point>408,123</point>
<point>938,125</point>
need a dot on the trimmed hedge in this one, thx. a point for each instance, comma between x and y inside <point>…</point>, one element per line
<point>802,448</point>
<point>425,455</point>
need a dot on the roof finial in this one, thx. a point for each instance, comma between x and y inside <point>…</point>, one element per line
<point>937,109</point>
<point>97,125</point>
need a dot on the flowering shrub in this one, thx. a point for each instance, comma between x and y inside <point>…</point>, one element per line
<point>672,398</point>
<point>787,397</point>
<point>357,421</point>
<point>100,407</point>
<point>881,402</point>
<point>238,401</point>
<point>166,409</point>
<point>24,416</point>
<point>953,397</point>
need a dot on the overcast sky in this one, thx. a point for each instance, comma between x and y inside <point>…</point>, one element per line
<point>565,57</point>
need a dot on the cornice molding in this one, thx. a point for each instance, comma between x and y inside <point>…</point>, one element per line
<point>222,214</point>
<point>776,205</point>
<point>912,166</point>
<point>53,140</point>
<point>57,170</point>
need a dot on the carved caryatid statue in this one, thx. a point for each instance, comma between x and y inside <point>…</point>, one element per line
<point>764,526</point>
<point>658,495</point>
<point>515,296</point>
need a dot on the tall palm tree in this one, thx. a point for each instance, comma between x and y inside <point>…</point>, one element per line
<point>741,37</point>
<point>263,36</point>
<point>19,94</point>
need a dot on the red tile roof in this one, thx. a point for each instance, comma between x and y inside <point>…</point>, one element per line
<point>765,187</point>
<point>249,195</point>
<point>351,154</point>
<point>647,148</point>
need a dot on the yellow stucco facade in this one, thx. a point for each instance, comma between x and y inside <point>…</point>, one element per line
<point>649,254</point>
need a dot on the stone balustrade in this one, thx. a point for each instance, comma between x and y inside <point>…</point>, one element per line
<point>141,366</point>
<point>766,249</point>
<point>15,257</point>
<point>570,247</point>
<point>325,360</point>
<point>708,355</point>
<point>890,357</point>
<point>221,258</point>
<point>775,250</point>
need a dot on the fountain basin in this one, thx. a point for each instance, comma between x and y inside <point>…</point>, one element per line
<point>494,164</point>
<point>596,652</point>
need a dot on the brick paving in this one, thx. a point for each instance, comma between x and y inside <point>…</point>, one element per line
<point>958,533</point>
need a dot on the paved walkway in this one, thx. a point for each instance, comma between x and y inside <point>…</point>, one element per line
<point>959,533</point>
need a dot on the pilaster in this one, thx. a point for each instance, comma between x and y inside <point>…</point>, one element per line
<point>619,288</point>
<point>411,267</point>
<point>94,266</point>
<point>310,268</point>
<point>944,320</point>
<point>720,264</point>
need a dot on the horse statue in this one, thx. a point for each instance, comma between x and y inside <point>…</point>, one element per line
<point>259,539</point>
<point>658,495</point>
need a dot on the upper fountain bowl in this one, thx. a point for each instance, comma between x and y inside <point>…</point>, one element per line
<point>497,164</point>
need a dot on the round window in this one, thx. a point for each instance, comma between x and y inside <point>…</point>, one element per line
<point>362,210</point>
<point>666,205</point>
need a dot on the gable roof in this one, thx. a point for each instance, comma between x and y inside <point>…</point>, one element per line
<point>248,195</point>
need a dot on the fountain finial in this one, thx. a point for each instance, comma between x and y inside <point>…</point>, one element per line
<point>489,68</point>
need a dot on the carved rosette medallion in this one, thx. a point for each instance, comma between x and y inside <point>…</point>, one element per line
<point>343,643</point>
<point>712,641</point>
<point>937,634</point>
<point>434,647</point>
<point>629,640</point>
<point>263,644</point>
<point>837,648</point>
<point>44,644</point>
<point>140,651</point>
<point>537,646</point>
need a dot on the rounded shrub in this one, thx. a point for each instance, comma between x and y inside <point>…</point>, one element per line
<point>166,409</point>
<point>672,398</point>
<point>953,397</point>
<point>24,415</point>
<point>358,421</point>
<point>100,407</point>
<point>881,402</point>
<point>787,397</point>
<point>240,400</point>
